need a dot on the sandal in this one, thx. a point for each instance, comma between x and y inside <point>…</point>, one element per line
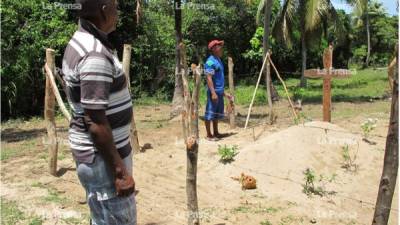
<point>212,139</point>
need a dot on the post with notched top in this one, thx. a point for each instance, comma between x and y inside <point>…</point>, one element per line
<point>126,61</point>
<point>49,115</point>
<point>232,92</point>
<point>190,125</point>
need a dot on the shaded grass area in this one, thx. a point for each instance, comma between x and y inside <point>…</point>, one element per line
<point>11,215</point>
<point>10,151</point>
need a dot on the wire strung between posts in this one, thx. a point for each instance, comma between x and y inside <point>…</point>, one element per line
<point>301,183</point>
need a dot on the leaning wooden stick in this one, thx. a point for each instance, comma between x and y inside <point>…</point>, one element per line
<point>284,87</point>
<point>60,102</point>
<point>126,62</point>
<point>255,91</point>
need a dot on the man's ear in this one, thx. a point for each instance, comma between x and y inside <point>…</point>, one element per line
<point>103,13</point>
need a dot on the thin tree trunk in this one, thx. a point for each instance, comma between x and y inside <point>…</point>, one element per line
<point>391,164</point>
<point>303,81</point>
<point>268,12</point>
<point>368,38</point>
<point>177,99</point>
<point>267,71</point>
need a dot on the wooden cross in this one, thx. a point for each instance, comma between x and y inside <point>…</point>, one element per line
<point>327,74</point>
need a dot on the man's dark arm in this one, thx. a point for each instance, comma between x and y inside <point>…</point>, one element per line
<point>210,85</point>
<point>101,133</point>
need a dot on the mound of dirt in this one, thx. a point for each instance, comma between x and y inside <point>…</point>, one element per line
<point>278,160</point>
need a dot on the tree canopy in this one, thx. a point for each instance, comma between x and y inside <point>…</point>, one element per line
<point>30,26</point>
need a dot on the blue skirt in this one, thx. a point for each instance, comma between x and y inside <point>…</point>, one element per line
<point>214,110</point>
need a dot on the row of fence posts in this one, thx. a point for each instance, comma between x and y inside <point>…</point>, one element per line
<point>52,95</point>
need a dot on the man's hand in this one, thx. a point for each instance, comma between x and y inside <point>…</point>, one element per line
<point>214,97</point>
<point>229,96</point>
<point>101,133</point>
<point>124,183</point>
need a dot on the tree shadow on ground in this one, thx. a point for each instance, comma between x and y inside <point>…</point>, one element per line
<point>16,134</point>
<point>64,170</point>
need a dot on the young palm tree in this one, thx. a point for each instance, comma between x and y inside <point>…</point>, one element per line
<point>360,10</point>
<point>312,16</point>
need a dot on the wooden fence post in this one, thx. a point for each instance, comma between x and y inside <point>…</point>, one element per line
<point>126,61</point>
<point>190,124</point>
<point>49,107</point>
<point>232,92</point>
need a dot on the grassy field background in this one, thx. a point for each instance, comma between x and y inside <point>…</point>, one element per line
<point>363,85</point>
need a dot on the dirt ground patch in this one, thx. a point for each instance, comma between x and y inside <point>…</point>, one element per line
<point>276,155</point>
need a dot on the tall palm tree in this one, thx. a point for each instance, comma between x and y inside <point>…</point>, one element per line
<point>313,15</point>
<point>177,99</point>
<point>360,10</point>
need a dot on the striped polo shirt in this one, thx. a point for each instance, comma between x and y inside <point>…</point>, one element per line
<point>95,80</point>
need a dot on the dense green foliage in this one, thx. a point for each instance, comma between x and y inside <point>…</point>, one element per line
<point>30,26</point>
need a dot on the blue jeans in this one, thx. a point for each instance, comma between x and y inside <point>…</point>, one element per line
<point>106,208</point>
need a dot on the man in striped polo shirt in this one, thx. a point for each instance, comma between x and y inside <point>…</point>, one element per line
<point>99,131</point>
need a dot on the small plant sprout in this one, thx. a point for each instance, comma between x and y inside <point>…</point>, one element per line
<point>310,187</point>
<point>348,161</point>
<point>368,126</point>
<point>226,153</point>
<point>301,118</point>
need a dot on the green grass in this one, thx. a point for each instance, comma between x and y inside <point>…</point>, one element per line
<point>54,196</point>
<point>265,222</point>
<point>11,215</point>
<point>8,152</point>
<point>363,85</point>
<point>258,209</point>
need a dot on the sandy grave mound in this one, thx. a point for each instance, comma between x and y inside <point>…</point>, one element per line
<point>278,160</point>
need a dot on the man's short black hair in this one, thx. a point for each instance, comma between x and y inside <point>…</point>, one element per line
<point>90,9</point>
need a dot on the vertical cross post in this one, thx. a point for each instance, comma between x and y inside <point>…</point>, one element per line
<point>327,99</point>
<point>327,74</point>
